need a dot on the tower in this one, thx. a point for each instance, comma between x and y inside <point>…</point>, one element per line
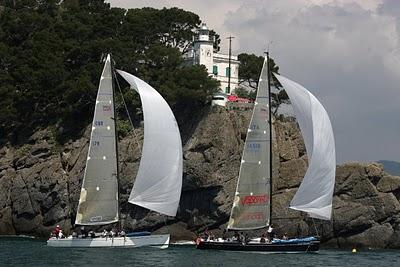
<point>203,48</point>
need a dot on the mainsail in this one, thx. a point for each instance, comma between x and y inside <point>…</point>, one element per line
<point>159,180</point>
<point>251,205</point>
<point>98,202</point>
<point>314,195</point>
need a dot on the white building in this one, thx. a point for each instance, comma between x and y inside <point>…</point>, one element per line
<point>217,64</point>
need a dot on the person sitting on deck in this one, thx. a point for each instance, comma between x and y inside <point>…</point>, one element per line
<point>271,232</point>
<point>92,234</point>
<point>285,237</point>
<point>57,230</point>
<point>224,235</point>
<point>104,233</point>
<point>242,238</point>
<point>262,239</point>
<point>109,234</point>
<point>246,238</point>
<point>236,237</point>
<point>122,233</point>
<point>74,234</point>
<point>84,232</point>
<point>60,234</point>
<point>211,237</point>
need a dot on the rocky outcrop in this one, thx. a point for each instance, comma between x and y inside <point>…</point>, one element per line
<point>40,185</point>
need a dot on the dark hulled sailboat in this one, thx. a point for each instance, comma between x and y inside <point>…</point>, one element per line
<point>252,205</point>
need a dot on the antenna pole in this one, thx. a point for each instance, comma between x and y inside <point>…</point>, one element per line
<point>229,63</point>
<point>270,136</point>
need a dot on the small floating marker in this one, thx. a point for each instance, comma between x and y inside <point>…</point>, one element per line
<point>354,250</point>
<point>243,161</point>
<point>251,193</point>
<point>97,101</point>
<point>93,128</point>
<point>104,158</point>
<point>88,158</point>
<point>109,101</point>
<point>255,103</point>
<point>97,188</point>
<point>265,132</point>
<point>259,163</point>
<point>108,128</point>
<point>249,130</point>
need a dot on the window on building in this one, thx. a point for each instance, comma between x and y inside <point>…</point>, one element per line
<point>228,72</point>
<point>215,70</point>
<point>227,90</point>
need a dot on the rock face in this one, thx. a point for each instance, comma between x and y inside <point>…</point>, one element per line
<point>40,184</point>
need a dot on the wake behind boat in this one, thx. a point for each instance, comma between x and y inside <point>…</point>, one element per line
<point>252,204</point>
<point>158,183</point>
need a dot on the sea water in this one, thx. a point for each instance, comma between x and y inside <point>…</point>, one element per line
<point>34,252</point>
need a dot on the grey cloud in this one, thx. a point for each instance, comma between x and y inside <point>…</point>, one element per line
<point>339,52</point>
<point>347,54</point>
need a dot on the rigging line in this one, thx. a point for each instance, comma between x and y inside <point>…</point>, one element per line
<point>315,226</point>
<point>127,112</point>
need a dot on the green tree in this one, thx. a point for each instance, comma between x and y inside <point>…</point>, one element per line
<point>51,59</point>
<point>249,72</point>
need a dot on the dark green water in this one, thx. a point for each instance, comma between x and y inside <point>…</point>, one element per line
<point>33,252</point>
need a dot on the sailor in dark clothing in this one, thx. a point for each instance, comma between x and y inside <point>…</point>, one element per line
<point>84,232</point>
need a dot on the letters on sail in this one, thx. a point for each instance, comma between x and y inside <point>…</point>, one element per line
<point>251,204</point>
<point>98,202</point>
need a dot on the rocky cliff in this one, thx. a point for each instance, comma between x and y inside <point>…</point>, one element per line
<point>40,185</point>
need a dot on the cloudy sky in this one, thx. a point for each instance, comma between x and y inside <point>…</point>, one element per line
<point>346,52</point>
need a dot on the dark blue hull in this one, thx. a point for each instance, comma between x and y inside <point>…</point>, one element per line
<point>304,247</point>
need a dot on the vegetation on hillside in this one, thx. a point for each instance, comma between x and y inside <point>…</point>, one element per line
<point>249,73</point>
<point>51,59</point>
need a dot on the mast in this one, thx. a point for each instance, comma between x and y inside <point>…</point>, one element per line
<point>116,138</point>
<point>270,134</point>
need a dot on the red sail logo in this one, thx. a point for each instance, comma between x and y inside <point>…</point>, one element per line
<point>251,200</point>
<point>254,216</point>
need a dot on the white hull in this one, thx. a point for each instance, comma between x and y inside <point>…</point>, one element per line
<point>160,241</point>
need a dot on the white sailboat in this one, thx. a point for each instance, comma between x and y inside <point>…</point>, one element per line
<point>159,179</point>
<point>252,203</point>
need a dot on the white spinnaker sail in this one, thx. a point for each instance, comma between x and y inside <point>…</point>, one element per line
<point>158,183</point>
<point>98,202</point>
<point>315,193</point>
<point>251,205</point>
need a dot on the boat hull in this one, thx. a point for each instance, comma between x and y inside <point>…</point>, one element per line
<point>304,247</point>
<point>160,241</point>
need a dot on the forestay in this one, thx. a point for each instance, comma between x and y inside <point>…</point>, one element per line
<point>314,195</point>
<point>159,180</point>
<point>250,208</point>
<point>98,202</point>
